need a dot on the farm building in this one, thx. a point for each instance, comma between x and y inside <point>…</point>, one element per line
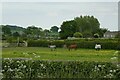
<point>110,34</point>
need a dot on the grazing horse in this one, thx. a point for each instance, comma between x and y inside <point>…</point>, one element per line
<point>72,46</point>
<point>98,47</point>
<point>52,47</point>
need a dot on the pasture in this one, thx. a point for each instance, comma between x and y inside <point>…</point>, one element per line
<point>41,53</point>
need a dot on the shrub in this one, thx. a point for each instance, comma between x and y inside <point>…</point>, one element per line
<point>77,35</point>
<point>82,43</point>
<point>16,68</point>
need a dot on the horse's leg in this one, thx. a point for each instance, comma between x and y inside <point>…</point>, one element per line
<point>69,49</point>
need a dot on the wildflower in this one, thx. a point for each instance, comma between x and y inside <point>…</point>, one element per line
<point>99,65</point>
<point>41,65</point>
<point>95,67</point>
<point>24,66</point>
<point>114,58</point>
<point>114,70</point>
<point>10,70</point>
<point>111,70</point>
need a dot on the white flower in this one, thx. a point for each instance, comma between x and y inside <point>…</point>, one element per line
<point>95,67</point>
<point>114,70</point>
<point>111,70</point>
<point>99,65</point>
<point>114,58</point>
<point>24,66</point>
<point>44,67</point>
<point>41,64</point>
<point>10,69</point>
<point>103,65</point>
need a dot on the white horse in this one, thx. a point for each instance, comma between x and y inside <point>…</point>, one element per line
<point>97,46</point>
<point>52,47</point>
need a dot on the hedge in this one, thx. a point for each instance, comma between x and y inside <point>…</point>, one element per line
<point>81,43</point>
<point>17,68</point>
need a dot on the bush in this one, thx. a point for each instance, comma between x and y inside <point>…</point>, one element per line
<point>81,43</point>
<point>16,68</point>
<point>77,35</point>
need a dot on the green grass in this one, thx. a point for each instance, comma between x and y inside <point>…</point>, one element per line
<point>59,54</point>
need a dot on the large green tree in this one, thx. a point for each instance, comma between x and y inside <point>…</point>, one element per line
<point>68,28</point>
<point>87,25</point>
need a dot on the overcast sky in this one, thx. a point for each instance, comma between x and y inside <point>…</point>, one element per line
<point>48,14</point>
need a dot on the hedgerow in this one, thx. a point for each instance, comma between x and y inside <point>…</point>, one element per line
<point>81,43</point>
<point>17,68</point>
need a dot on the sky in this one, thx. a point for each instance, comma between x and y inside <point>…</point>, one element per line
<point>47,14</point>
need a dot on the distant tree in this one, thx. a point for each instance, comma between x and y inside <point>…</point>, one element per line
<point>87,23</point>
<point>34,31</point>
<point>101,31</point>
<point>54,29</point>
<point>68,28</point>
<point>46,32</point>
<point>6,30</point>
<point>16,34</point>
<point>78,35</point>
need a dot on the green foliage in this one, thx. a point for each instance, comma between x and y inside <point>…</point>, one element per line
<point>81,43</point>
<point>96,35</point>
<point>54,29</point>
<point>87,25</point>
<point>20,68</point>
<point>44,43</point>
<point>68,28</point>
<point>87,34</point>
<point>6,29</point>
<point>16,34</point>
<point>77,35</point>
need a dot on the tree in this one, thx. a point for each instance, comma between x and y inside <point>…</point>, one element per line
<point>6,30</point>
<point>87,24</point>
<point>78,35</point>
<point>16,34</point>
<point>34,31</point>
<point>68,28</point>
<point>54,29</point>
<point>101,31</point>
<point>87,34</point>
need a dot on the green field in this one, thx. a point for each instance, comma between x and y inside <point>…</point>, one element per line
<point>60,54</point>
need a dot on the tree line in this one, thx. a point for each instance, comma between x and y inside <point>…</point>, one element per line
<point>83,26</point>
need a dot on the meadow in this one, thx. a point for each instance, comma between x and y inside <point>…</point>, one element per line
<point>44,53</point>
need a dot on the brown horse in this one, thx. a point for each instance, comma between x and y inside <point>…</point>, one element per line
<point>72,46</point>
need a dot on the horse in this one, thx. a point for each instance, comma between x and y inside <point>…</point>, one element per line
<point>72,46</point>
<point>52,47</point>
<point>97,46</point>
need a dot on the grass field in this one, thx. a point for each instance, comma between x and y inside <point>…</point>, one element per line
<point>60,54</point>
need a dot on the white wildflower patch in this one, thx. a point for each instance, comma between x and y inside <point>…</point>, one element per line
<point>111,70</point>
<point>114,58</point>
<point>116,52</point>
<point>41,65</point>
<point>99,65</point>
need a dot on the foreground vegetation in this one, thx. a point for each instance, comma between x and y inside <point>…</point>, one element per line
<point>41,62</point>
<point>16,68</point>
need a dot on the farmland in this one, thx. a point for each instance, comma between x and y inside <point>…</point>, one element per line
<point>41,53</point>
